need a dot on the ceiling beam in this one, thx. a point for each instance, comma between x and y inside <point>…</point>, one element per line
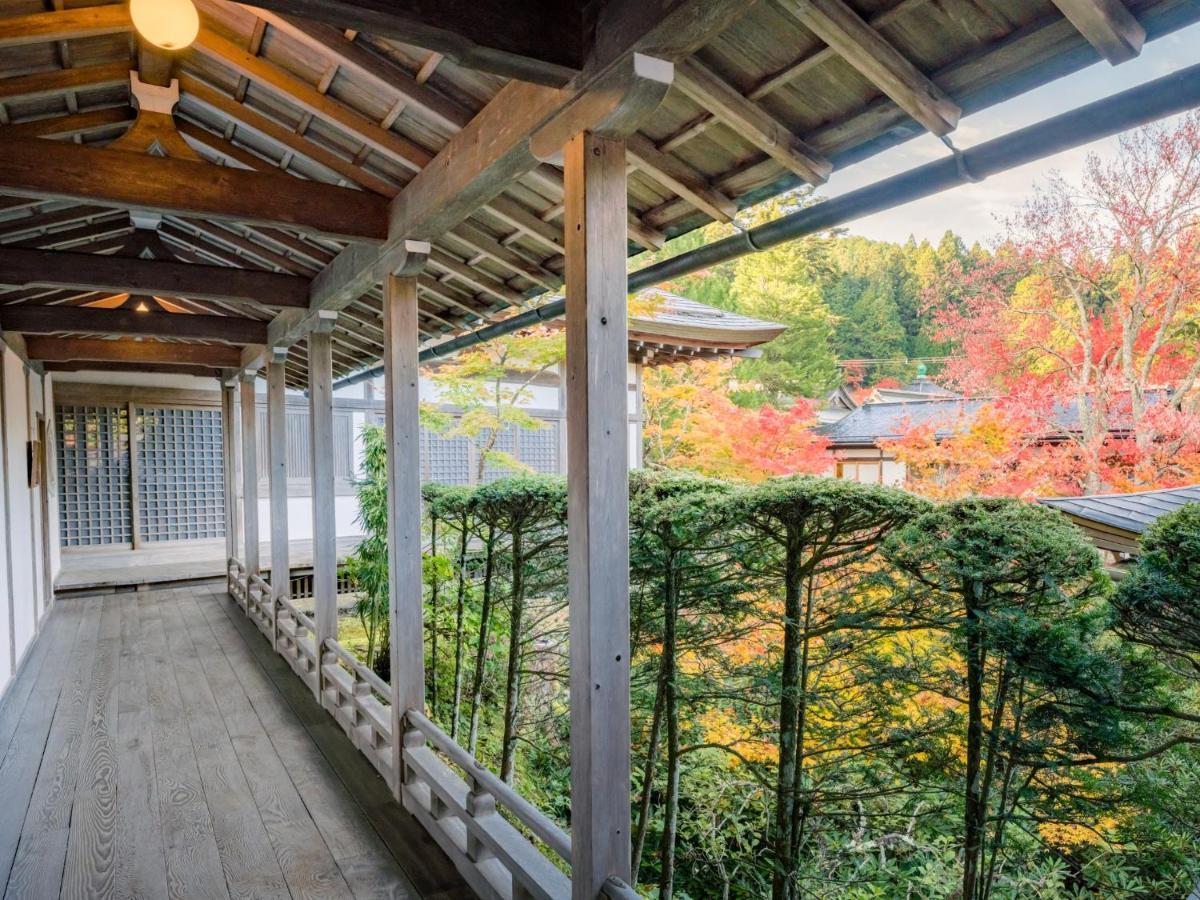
<point>51,349</point>
<point>58,81</point>
<point>86,320</point>
<point>88,271</point>
<point>30,167</point>
<point>751,122</point>
<point>878,61</point>
<point>672,172</point>
<point>201,371</point>
<point>89,122</point>
<point>1107,25</point>
<point>540,41</point>
<point>47,27</point>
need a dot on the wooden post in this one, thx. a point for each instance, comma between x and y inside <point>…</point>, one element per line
<point>320,425</point>
<point>250,470</point>
<point>597,510</point>
<point>229,467</point>
<point>135,538</point>
<point>401,338</point>
<point>277,480</point>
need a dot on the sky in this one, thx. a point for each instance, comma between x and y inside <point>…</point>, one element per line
<point>976,211</point>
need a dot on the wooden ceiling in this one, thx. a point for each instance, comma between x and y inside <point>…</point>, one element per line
<point>767,94</point>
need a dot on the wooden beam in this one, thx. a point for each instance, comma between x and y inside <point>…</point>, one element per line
<point>674,173</point>
<point>308,98</point>
<point>539,41</point>
<point>30,167</point>
<point>1108,25</point>
<point>321,456</point>
<point>90,122</point>
<point>876,59</point>
<point>385,77</point>
<point>597,510</point>
<point>59,81</point>
<point>402,397</point>
<point>81,319</point>
<point>277,477</point>
<point>90,271</point>
<point>47,27</point>
<point>199,371</point>
<point>249,409</point>
<point>751,121</point>
<point>147,353</point>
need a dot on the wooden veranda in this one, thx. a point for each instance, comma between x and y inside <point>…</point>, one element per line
<point>310,188</point>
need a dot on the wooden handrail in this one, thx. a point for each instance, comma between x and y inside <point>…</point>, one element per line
<point>300,617</point>
<point>352,663</point>
<point>616,889</point>
<point>529,815</point>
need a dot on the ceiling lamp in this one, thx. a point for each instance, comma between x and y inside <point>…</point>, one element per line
<point>170,24</point>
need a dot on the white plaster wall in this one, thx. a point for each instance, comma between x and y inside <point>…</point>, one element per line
<point>894,473</point>
<point>300,520</point>
<point>33,388</point>
<point>21,588</point>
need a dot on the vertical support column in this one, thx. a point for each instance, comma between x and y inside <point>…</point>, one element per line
<point>597,510</point>
<point>401,339</point>
<point>250,470</point>
<point>277,480</point>
<point>135,500</point>
<point>229,468</point>
<point>320,424</point>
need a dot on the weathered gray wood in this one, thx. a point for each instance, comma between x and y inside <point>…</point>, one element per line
<point>320,423</point>
<point>870,53</point>
<point>166,278</point>
<point>250,471</point>
<point>32,167</point>
<point>247,858</point>
<point>26,719</point>
<point>405,608</point>
<point>135,487</point>
<point>58,319</point>
<point>541,41</point>
<point>38,868</point>
<point>309,869</point>
<point>314,748</point>
<point>597,510</point>
<point>193,862</point>
<point>277,474</point>
<point>90,869</point>
<point>140,859</point>
<point>150,353</point>
<point>1108,25</point>
<point>229,426</point>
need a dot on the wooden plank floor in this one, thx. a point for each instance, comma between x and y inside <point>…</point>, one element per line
<point>155,746</point>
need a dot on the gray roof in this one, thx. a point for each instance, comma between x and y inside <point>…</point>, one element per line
<point>872,422</point>
<point>681,318</point>
<point>1129,512</point>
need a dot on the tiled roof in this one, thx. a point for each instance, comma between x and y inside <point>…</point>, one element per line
<point>683,319</point>
<point>872,422</point>
<point>1129,512</point>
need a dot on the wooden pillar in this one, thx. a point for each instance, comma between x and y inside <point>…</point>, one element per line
<point>597,510</point>
<point>277,473</point>
<point>250,470</point>
<point>320,425</point>
<point>401,338</point>
<point>229,467</point>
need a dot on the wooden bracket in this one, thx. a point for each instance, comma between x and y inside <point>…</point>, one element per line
<point>614,108</point>
<point>405,259</point>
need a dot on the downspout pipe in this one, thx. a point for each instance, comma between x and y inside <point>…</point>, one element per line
<point>1157,99</point>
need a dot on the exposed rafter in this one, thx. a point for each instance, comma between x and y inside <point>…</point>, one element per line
<point>89,271</point>
<point>85,320</point>
<point>1108,25</point>
<point>86,21</point>
<point>52,349</point>
<point>37,168</point>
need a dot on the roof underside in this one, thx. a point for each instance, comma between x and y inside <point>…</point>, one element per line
<point>260,91</point>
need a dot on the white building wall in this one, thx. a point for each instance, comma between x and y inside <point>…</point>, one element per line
<point>24,598</point>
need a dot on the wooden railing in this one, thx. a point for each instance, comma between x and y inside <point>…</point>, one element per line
<point>502,844</point>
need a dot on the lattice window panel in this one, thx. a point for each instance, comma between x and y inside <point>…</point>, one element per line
<point>540,448</point>
<point>448,460</point>
<point>93,475</point>
<point>180,478</point>
<point>505,443</point>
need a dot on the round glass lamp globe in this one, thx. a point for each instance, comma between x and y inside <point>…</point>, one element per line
<point>170,24</point>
